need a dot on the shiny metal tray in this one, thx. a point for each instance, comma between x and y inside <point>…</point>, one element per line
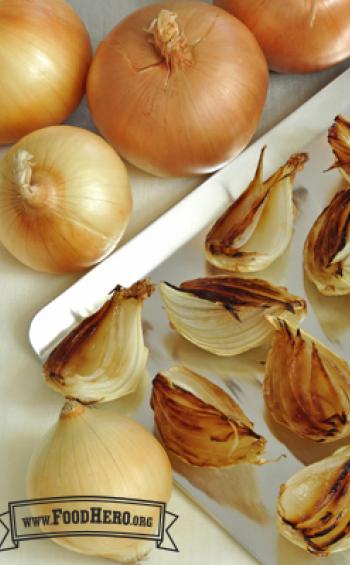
<point>242,498</point>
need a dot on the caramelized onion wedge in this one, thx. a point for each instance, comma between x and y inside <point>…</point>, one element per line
<point>256,228</point>
<point>339,140</point>
<point>314,505</point>
<point>327,247</point>
<point>104,357</point>
<point>226,315</point>
<point>306,386</point>
<point>200,423</point>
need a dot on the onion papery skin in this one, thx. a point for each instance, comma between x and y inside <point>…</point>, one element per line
<point>77,206</point>
<point>305,36</point>
<point>45,54</point>
<point>314,505</point>
<point>92,452</point>
<point>175,118</point>
<point>306,386</point>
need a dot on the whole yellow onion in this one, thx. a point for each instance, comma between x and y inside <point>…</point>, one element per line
<point>300,36</point>
<point>45,54</point>
<point>177,88</point>
<point>94,452</point>
<point>65,199</point>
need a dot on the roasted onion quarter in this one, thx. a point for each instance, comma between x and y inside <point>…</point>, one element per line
<point>314,505</point>
<point>339,140</point>
<point>327,247</point>
<point>104,357</point>
<point>200,423</point>
<point>306,386</point>
<point>225,315</point>
<point>258,226</point>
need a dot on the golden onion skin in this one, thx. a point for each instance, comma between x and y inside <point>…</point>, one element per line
<point>314,505</point>
<point>45,53</point>
<point>305,36</point>
<point>143,104</point>
<point>306,386</point>
<point>328,237</point>
<point>65,199</point>
<point>96,452</point>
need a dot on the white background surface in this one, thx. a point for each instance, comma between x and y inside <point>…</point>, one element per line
<point>31,407</point>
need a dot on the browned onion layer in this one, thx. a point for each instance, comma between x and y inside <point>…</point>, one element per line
<point>326,258</point>
<point>314,505</point>
<point>307,386</point>
<point>339,140</point>
<point>200,423</point>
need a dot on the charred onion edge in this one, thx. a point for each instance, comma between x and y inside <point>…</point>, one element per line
<point>163,385</point>
<point>61,354</point>
<point>240,292</point>
<point>339,487</point>
<point>216,242</point>
<point>338,144</point>
<point>283,326</point>
<point>326,238</point>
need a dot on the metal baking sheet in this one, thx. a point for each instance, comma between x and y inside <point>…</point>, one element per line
<point>243,498</point>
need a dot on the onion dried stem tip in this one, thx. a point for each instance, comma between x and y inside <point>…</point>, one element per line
<point>169,40</point>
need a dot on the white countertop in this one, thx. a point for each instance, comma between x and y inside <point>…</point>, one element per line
<point>31,407</point>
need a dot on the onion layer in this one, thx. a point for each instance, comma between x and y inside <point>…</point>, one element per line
<point>305,36</point>
<point>200,423</point>
<point>257,228</point>
<point>314,505</point>
<point>327,247</point>
<point>45,54</point>
<point>339,140</point>
<point>104,357</point>
<point>307,386</point>
<point>178,88</point>
<point>64,199</point>
<point>227,315</point>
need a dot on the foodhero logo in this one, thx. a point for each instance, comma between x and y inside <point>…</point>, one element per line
<point>86,516</point>
<point>93,515</point>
